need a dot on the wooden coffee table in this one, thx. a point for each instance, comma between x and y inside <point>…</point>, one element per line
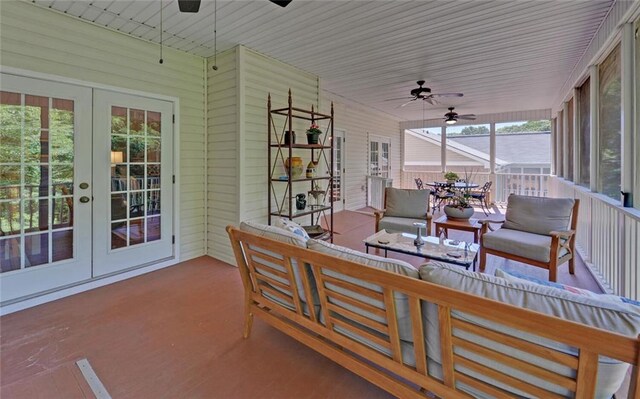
<point>444,224</point>
<point>450,251</point>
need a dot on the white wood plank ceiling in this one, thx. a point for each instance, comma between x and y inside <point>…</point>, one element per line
<point>503,55</point>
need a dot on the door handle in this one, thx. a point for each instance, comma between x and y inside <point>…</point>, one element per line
<point>84,199</point>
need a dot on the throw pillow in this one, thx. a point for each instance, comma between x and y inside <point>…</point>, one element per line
<point>515,277</point>
<point>292,226</point>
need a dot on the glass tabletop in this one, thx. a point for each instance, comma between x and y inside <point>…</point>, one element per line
<point>452,251</point>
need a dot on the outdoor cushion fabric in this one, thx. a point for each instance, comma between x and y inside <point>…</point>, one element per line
<point>278,234</point>
<point>391,265</point>
<point>406,203</point>
<point>563,304</point>
<point>537,214</point>
<point>518,277</point>
<point>399,225</point>
<point>292,226</point>
<point>521,243</point>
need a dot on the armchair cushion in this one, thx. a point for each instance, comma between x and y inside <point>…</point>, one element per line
<point>406,203</point>
<point>537,214</point>
<point>520,243</point>
<point>399,225</point>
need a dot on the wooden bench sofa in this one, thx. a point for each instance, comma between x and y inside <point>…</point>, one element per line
<point>419,337</point>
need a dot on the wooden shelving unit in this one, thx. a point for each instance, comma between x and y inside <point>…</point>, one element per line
<point>282,188</point>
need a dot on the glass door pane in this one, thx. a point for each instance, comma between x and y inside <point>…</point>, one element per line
<point>36,180</point>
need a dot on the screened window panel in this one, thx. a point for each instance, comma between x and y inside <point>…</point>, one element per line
<point>559,145</point>
<point>584,134</point>
<point>610,126</point>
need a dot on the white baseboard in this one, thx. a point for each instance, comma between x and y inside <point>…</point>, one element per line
<point>82,287</point>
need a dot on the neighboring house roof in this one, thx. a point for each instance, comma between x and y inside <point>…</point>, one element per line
<point>520,148</point>
<point>516,148</point>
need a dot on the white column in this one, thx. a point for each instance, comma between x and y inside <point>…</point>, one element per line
<point>593,140</point>
<point>627,83</point>
<point>492,161</point>
<point>553,148</point>
<point>565,140</point>
<point>443,148</point>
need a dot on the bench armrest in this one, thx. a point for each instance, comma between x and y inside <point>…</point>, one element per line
<point>378,215</point>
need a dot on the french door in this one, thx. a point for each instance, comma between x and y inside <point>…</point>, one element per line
<point>80,199</point>
<point>133,186</point>
<point>45,131</point>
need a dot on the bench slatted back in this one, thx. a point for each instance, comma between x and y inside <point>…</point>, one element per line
<point>358,313</point>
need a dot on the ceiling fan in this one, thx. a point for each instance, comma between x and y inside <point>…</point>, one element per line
<point>451,117</point>
<point>194,5</point>
<point>425,94</point>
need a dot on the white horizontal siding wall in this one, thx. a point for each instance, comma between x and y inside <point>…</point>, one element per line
<point>222,152</point>
<point>44,41</point>
<point>358,122</point>
<point>259,76</point>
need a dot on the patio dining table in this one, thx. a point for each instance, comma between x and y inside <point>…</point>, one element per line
<point>456,185</point>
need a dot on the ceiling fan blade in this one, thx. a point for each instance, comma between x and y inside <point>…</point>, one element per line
<point>430,100</point>
<point>447,95</point>
<point>399,98</point>
<point>189,5</point>
<point>467,117</point>
<point>408,102</point>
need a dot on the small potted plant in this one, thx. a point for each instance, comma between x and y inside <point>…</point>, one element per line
<point>313,133</point>
<point>459,206</point>
<point>451,177</point>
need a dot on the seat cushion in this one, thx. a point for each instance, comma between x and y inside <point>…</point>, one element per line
<point>391,265</point>
<point>406,203</point>
<point>279,234</point>
<point>521,243</point>
<point>538,215</point>
<point>549,300</point>
<point>400,225</point>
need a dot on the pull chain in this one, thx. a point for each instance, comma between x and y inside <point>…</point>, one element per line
<point>161,60</point>
<point>215,35</point>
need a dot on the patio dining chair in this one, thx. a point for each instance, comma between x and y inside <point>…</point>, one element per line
<point>482,196</point>
<point>419,183</point>
<point>441,194</point>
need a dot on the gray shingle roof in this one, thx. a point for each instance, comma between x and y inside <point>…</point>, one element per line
<point>521,148</point>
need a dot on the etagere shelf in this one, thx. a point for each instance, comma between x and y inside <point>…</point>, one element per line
<point>285,186</point>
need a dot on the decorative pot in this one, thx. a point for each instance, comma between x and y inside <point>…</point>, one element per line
<point>458,213</point>
<point>301,202</point>
<point>289,137</point>
<point>311,169</point>
<point>312,138</point>
<point>294,167</point>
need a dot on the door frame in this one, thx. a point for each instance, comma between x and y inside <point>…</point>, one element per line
<point>343,199</point>
<point>91,283</point>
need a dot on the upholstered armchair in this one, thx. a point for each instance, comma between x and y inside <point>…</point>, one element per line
<point>402,209</point>
<point>537,231</point>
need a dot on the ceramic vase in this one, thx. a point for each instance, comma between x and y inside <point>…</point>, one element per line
<point>294,167</point>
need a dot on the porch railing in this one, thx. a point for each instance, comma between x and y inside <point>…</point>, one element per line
<point>504,183</point>
<point>608,238</point>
